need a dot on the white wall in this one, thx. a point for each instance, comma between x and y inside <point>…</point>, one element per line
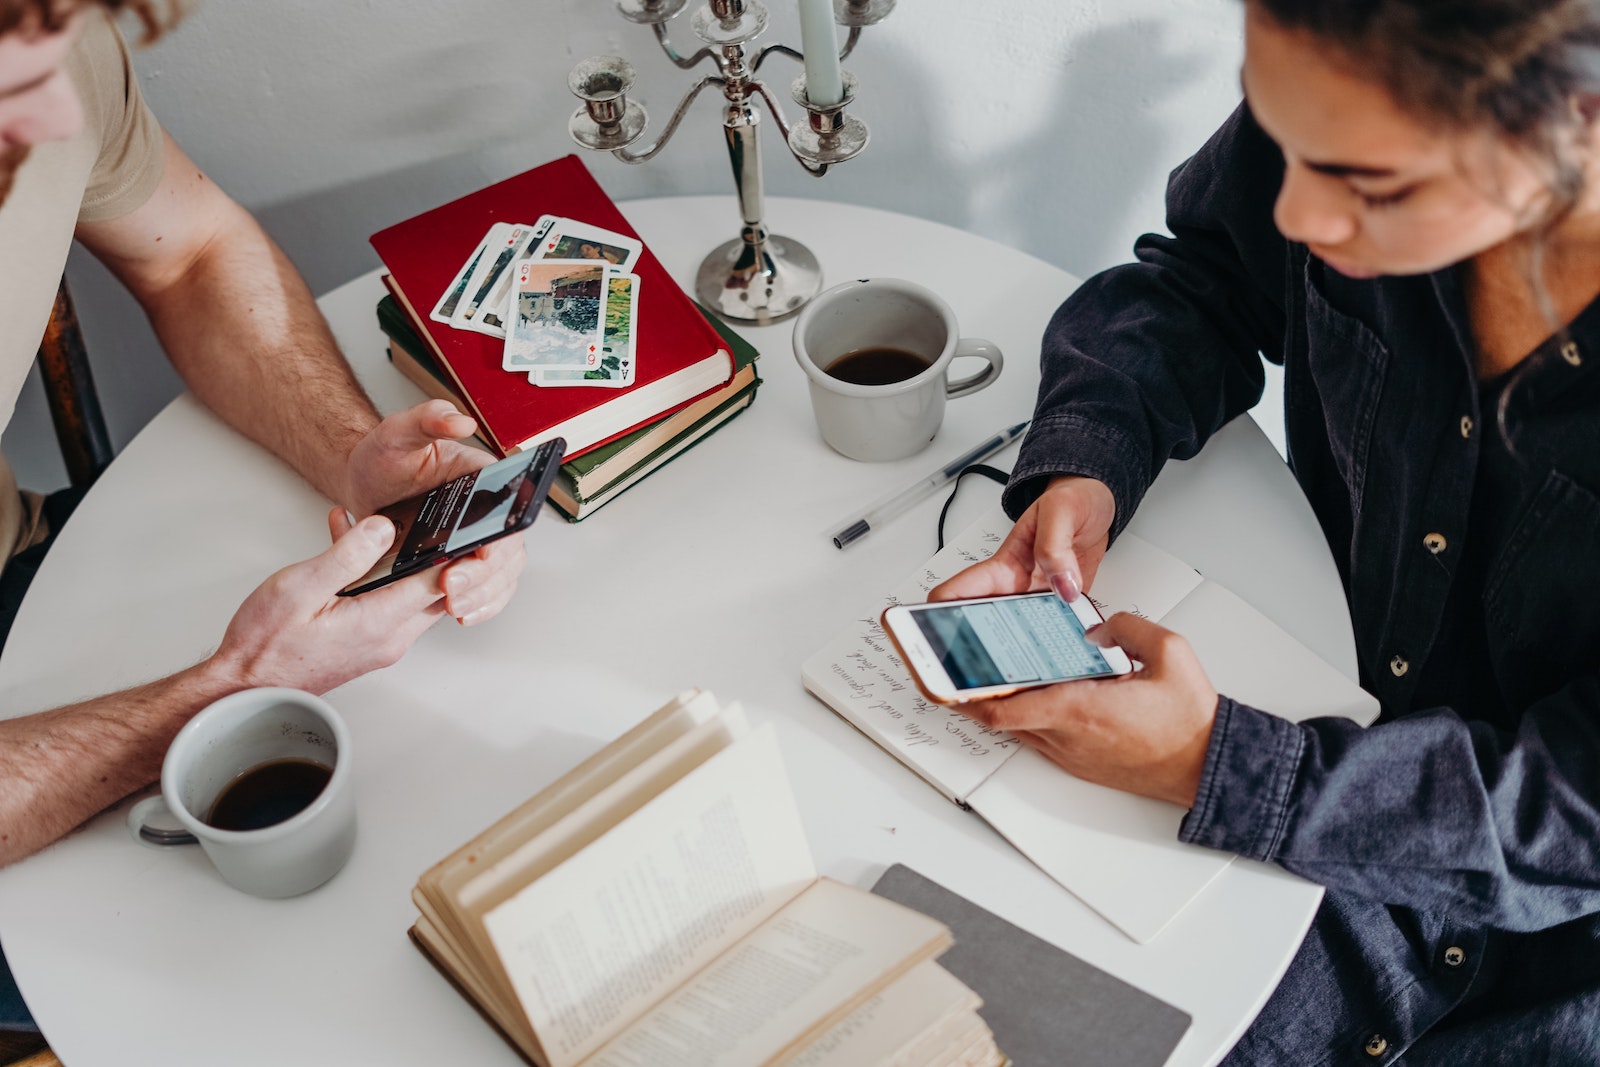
<point>1049,125</point>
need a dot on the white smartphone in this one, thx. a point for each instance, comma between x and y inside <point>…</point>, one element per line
<point>963,650</point>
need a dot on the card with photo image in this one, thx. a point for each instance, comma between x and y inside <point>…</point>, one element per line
<point>490,286</point>
<point>445,309</point>
<point>571,239</point>
<point>616,367</point>
<point>557,315</point>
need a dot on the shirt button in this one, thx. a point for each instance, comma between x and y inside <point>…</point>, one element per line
<point>1466,426</point>
<point>1398,666</point>
<point>1454,957</point>
<point>1435,543</point>
<point>1569,352</point>
<point>1376,1045</point>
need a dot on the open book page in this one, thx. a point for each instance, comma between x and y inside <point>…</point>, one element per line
<point>494,883</point>
<point>600,938</point>
<point>484,987</point>
<point>1120,853</point>
<point>966,1043</point>
<point>927,1004</point>
<point>1117,852</point>
<point>470,870</point>
<point>860,676</point>
<point>1249,657</point>
<point>786,983</point>
<point>495,1003</point>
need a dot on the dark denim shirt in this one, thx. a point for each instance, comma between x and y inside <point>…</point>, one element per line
<point>1459,841</point>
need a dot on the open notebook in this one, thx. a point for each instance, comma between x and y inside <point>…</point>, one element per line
<point>1116,852</point>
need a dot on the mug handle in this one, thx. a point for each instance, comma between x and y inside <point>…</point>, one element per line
<point>983,349</point>
<point>151,823</point>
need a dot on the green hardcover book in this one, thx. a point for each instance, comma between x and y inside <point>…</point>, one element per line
<point>589,481</point>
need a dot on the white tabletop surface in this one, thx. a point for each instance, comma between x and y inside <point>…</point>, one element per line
<point>714,572</point>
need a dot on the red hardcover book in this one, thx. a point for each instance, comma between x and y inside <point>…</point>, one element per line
<point>679,356</point>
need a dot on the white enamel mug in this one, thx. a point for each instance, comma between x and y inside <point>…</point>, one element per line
<point>898,419</point>
<point>230,737</point>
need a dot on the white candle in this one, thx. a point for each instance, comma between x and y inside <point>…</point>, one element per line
<point>821,46</point>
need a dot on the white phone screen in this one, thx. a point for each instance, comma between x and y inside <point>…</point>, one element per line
<point>1010,641</point>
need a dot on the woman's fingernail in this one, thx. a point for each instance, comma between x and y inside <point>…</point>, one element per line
<point>1066,586</point>
<point>455,582</point>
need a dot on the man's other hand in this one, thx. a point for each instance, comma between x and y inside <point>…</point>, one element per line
<point>296,630</point>
<point>409,453</point>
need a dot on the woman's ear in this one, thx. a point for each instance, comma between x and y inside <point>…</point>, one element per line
<point>1586,107</point>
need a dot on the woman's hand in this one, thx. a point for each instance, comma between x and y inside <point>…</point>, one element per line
<point>1144,733</point>
<point>1056,544</point>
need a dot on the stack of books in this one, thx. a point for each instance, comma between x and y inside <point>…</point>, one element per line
<point>659,905</point>
<point>692,373</point>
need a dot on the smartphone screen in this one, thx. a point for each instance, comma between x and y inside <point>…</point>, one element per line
<point>1013,642</point>
<point>455,518</point>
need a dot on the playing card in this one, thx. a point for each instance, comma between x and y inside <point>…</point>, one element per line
<point>493,244</point>
<point>558,315</point>
<point>495,282</point>
<point>615,370</point>
<point>492,278</point>
<point>570,239</point>
<point>458,285</point>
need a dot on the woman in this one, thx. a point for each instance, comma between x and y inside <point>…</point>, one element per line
<point>1406,214</point>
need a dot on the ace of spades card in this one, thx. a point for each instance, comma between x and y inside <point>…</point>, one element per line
<point>616,367</point>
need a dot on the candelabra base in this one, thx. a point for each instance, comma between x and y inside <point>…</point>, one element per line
<point>739,282</point>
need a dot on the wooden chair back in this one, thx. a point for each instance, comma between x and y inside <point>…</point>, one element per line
<point>69,388</point>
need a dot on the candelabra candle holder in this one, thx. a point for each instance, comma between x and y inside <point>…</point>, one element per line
<point>757,277</point>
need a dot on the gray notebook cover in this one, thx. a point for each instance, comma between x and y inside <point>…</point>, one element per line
<point>1046,1006</point>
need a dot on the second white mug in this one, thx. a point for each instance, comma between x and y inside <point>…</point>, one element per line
<point>877,352</point>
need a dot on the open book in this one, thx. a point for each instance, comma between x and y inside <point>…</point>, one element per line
<point>659,906</point>
<point>1116,852</point>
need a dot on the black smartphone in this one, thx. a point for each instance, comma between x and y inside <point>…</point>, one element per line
<point>455,518</point>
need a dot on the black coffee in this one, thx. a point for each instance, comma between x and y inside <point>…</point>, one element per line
<point>877,366</point>
<point>268,793</point>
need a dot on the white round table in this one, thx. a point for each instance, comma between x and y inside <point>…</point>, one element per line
<point>713,572</point>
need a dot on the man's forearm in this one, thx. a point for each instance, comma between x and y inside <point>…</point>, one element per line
<point>237,321</point>
<point>60,767</point>
<point>243,330</point>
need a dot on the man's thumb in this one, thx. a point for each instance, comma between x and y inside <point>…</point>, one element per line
<point>353,554</point>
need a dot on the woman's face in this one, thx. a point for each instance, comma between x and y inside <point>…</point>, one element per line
<point>1368,188</point>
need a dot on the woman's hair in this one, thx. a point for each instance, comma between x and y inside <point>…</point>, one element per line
<point>1517,67</point>
<point>51,16</point>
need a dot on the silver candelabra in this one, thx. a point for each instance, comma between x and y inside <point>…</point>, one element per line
<point>757,277</point>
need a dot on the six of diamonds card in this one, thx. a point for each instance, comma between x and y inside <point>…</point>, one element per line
<point>556,315</point>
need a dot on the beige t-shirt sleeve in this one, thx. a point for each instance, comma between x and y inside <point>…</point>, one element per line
<point>131,144</point>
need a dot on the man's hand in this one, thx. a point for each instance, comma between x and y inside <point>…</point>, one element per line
<point>1056,544</point>
<point>411,452</point>
<point>295,630</point>
<point>1144,733</point>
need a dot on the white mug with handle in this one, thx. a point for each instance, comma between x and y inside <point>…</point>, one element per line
<point>261,779</point>
<point>878,352</point>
